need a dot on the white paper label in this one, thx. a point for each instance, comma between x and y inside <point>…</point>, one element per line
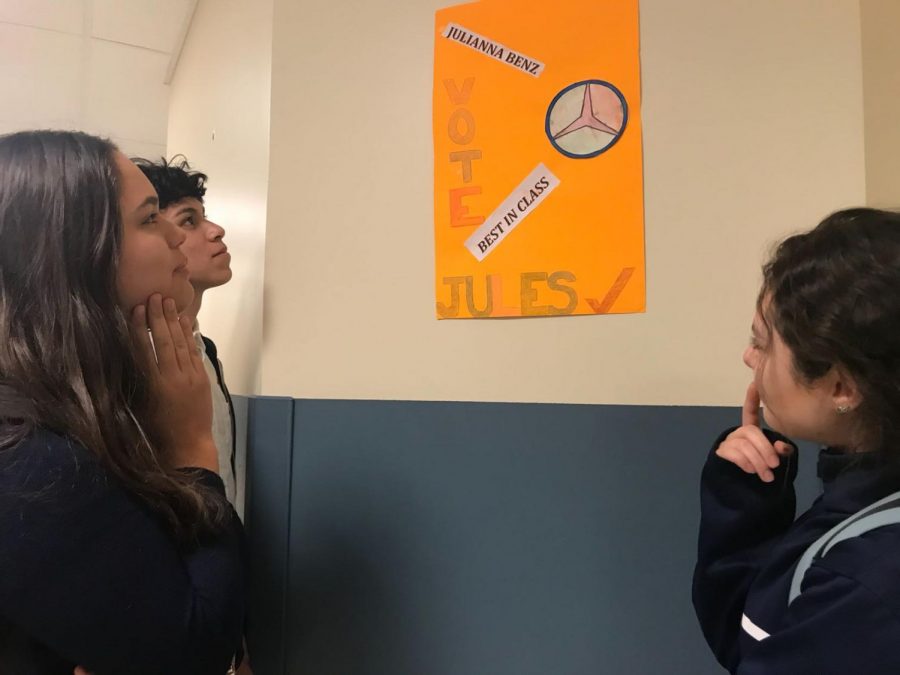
<point>514,209</point>
<point>493,49</point>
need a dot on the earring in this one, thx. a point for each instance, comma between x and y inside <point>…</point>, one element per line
<point>843,409</point>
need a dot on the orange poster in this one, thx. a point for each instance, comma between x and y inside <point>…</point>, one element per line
<point>538,174</point>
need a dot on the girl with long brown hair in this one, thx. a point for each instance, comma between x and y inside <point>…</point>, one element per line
<point>118,550</point>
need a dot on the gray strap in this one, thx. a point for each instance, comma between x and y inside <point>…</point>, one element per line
<point>869,518</point>
<point>870,522</point>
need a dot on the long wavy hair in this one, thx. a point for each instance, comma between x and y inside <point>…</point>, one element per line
<point>835,301</point>
<point>67,362</point>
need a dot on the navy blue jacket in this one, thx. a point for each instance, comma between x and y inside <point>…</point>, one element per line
<point>89,575</point>
<point>847,618</point>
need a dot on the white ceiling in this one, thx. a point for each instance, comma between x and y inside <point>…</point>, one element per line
<point>154,25</point>
<point>101,66</point>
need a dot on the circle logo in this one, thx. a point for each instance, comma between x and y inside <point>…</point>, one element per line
<point>586,119</point>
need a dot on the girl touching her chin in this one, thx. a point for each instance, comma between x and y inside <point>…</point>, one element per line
<point>120,552</point>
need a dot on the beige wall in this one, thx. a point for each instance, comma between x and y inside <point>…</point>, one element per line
<point>753,124</point>
<point>219,119</point>
<point>881,79</point>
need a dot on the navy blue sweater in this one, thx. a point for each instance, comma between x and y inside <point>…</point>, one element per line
<point>89,576</point>
<point>847,618</point>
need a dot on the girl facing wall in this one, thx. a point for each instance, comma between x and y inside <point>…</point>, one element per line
<point>118,550</point>
<point>825,356</point>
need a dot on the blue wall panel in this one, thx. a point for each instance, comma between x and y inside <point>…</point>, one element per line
<point>270,444</point>
<point>429,538</point>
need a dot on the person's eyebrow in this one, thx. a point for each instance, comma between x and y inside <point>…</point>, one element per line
<point>152,200</point>
<point>185,209</point>
<point>761,328</point>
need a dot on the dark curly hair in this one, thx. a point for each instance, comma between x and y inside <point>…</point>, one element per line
<point>834,297</point>
<point>173,179</point>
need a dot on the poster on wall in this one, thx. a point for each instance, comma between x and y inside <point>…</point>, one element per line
<point>538,169</point>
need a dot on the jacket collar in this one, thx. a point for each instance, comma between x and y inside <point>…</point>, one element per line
<point>852,481</point>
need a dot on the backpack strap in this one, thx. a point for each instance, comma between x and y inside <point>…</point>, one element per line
<point>880,514</point>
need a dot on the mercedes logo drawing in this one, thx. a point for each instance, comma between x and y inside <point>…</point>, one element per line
<point>586,119</point>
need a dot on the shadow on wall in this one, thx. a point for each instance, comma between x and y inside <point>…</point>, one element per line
<point>348,618</point>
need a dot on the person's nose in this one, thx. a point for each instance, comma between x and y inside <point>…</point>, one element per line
<point>215,231</point>
<point>750,357</point>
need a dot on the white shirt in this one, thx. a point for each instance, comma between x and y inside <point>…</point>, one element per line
<point>221,426</point>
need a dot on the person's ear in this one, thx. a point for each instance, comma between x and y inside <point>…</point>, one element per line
<point>845,393</point>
